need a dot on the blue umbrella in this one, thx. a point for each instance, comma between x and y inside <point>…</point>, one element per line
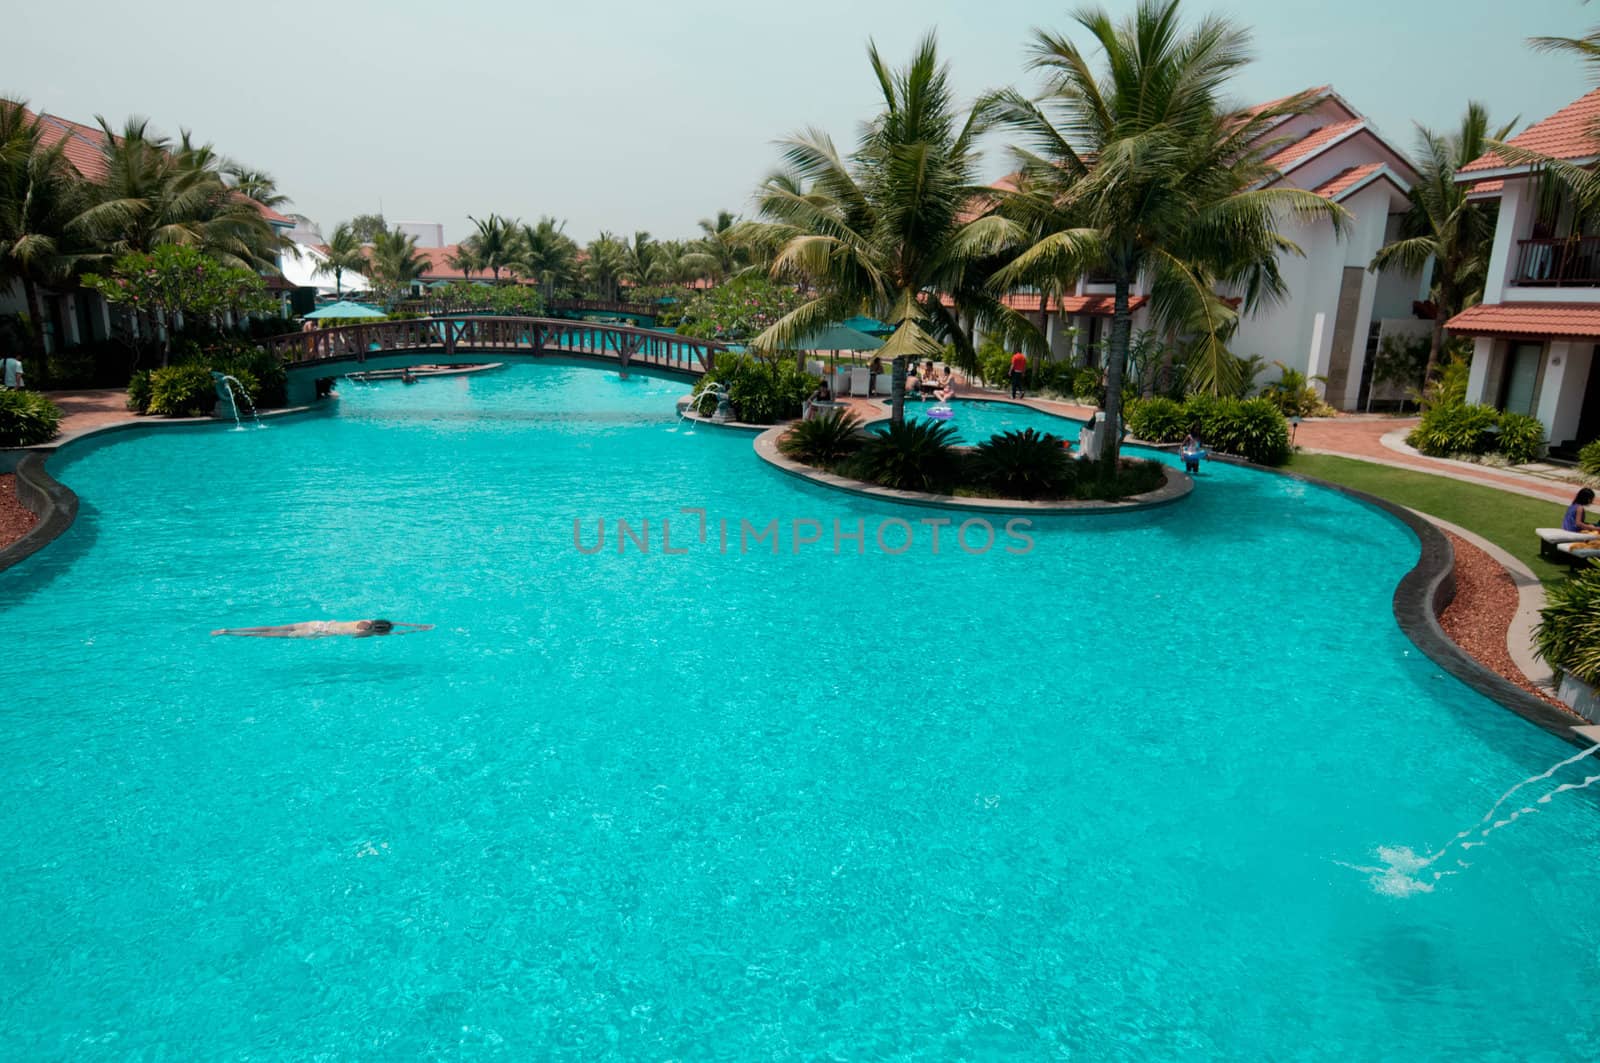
<point>346,309</point>
<point>870,325</point>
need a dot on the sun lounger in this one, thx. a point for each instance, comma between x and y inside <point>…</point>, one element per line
<point>1578,553</point>
<point>860,381</point>
<point>1552,538</point>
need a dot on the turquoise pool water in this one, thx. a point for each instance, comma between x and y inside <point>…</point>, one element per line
<point>976,420</point>
<point>1093,801</point>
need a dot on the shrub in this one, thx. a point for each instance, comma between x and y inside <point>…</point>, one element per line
<point>1252,428</point>
<point>1589,458</point>
<point>761,392</point>
<point>1568,634</point>
<point>823,440</point>
<point>1520,437</point>
<point>1086,386</point>
<point>1449,386</point>
<point>994,361</point>
<point>1025,464</point>
<point>1292,393</point>
<point>182,391</point>
<point>1454,428</point>
<point>139,392</point>
<point>914,456</point>
<point>27,418</point>
<point>1135,476</point>
<point>1158,420</point>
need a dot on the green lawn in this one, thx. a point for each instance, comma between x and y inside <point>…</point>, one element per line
<point>1505,519</point>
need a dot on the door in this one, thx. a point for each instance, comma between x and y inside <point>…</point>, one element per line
<point>1519,387</point>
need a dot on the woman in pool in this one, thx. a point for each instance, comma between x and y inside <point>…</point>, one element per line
<point>1573,520</point>
<point>321,629</point>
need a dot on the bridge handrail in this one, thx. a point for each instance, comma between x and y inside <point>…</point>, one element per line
<point>489,332</point>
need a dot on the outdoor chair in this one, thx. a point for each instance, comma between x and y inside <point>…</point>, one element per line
<point>860,381</point>
<point>1551,540</point>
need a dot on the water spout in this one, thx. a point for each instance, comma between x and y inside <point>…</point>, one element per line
<point>229,388</point>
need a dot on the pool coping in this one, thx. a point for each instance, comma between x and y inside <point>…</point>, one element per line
<point>56,504</point>
<point>1177,486</point>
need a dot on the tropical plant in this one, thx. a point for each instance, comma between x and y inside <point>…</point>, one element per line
<point>175,280</point>
<point>718,254</point>
<point>1026,464</point>
<point>823,440</point>
<point>1568,633</point>
<point>1520,438</point>
<point>1443,226</point>
<point>1401,362</point>
<point>182,391</point>
<point>41,200</point>
<point>887,228</point>
<point>1449,387</point>
<point>465,258</point>
<point>495,244</point>
<point>1158,420</point>
<point>1292,392</point>
<point>604,266</point>
<point>548,255</point>
<point>1251,428</point>
<point>1589,458</point>
<point>257,185</point>
<point>139,391</point>
<point>394,265</point>
<point>1447,429</point>
<point>345,254</point>
<point>367,227</point>
<point>734,312</point>
<point>909,456</point>
<point>1140,172</point>
<point>27,418</point>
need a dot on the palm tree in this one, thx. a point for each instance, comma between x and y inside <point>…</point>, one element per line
<point>1443,225</point>
<point>1140,173</point>
<point>257,185</point>
<point>495,244</point>
<point>157,192</point>
<point>40,201</point>
<point>604,266</point>
<point>395,263</point>
<point>548,255</point>
<point>465,258</point>
<point>345,252</point>
<point>717,255</point>
<point>886,229</point>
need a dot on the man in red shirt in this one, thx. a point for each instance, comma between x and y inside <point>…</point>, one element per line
<point>1019,370</point>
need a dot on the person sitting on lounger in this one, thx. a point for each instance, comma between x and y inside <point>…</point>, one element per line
<point>1573,520</point>
<point>321,629</point>
<point>947,386</point>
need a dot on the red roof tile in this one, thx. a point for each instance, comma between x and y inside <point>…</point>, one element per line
<point>1320,90</point>
<point>1345,180</point>
<point>1311,143</point>
<point>1567,134</point>
<point>1487,188</point>
<point>1100,305</point>
<point>1565,320</point>
<point>273,216</point>
<point>81,143</point>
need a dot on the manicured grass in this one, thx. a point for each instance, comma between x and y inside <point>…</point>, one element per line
<point>1505,519</point>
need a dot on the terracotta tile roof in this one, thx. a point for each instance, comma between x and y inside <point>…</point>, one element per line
<point>273,216</point>
<point>1564,320</point>
<point>1487,188</point>
<point>1320,90</point>
<point>1567,134</point>
<point>1345,180</point>
<point>81,143</point>
<point>1100,305</point>
<point>1288,157</point>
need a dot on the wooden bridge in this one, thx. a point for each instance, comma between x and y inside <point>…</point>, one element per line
<point>457,339</point>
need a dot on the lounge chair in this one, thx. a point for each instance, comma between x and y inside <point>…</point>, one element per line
<point>1550,539</point>
<point>1578,553</point>
<point>860,381</point>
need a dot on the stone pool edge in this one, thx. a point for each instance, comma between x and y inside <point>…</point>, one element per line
<point>56,504</point>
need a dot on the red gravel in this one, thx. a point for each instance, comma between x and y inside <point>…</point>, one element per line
<point>15,521</point>
<point>1477,620</point>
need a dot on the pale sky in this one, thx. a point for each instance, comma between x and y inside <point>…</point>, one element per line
<point>647,115</point>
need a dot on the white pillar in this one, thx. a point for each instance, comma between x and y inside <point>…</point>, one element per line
<point>1482,362</point>
<point>1314,363</point>
<point>1566,375</point>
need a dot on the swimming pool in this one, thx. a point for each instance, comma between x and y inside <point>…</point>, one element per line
<point>1093,800</point>
<point>976,420</point>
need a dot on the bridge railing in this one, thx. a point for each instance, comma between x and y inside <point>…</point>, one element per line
<point>455,334</point>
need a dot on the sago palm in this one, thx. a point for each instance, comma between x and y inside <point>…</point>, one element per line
<point>888,228</point>
<point>1138,172</point>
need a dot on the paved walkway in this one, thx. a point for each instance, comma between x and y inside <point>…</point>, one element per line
<point>84,411</point>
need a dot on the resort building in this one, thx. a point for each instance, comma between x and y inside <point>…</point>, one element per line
<point>1337,312</point>
<point>74,316</point>
<point>1535,331</point>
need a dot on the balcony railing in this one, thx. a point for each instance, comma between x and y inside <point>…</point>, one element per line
<point>1572,261</point>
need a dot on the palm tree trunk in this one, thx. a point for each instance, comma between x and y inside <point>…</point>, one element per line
<point>1435,343</point>
<point>1117,357</point>
<point>36,321</point>
<point>897,391</point>
<point>1163,379</point>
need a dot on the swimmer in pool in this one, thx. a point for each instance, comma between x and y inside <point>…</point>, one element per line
<point>321,629</point>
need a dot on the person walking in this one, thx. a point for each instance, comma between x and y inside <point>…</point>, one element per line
<point>1019,374</point>
<point>11,372</point>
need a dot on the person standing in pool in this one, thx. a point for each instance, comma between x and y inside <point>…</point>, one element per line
<point>1572,520</point>
<point>1192,450</point>
<point>1019,373</point>
<point>322,629</point>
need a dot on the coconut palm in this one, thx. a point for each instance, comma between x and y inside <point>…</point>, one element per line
<point>159,192</point>
<point>257,185</point>
<point>345,253</point>
<point>1443,225</point>
<point>395,263</point>
<point>41,198</point>
<point>495,244</point>
<point>465,258</point>
<point>888,228</point>
<point>1139,172</point>
<point>717,254</point>
<point>605,264</point>
<point>548,255</point>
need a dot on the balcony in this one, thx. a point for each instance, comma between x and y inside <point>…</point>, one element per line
<point>1567,262</point>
